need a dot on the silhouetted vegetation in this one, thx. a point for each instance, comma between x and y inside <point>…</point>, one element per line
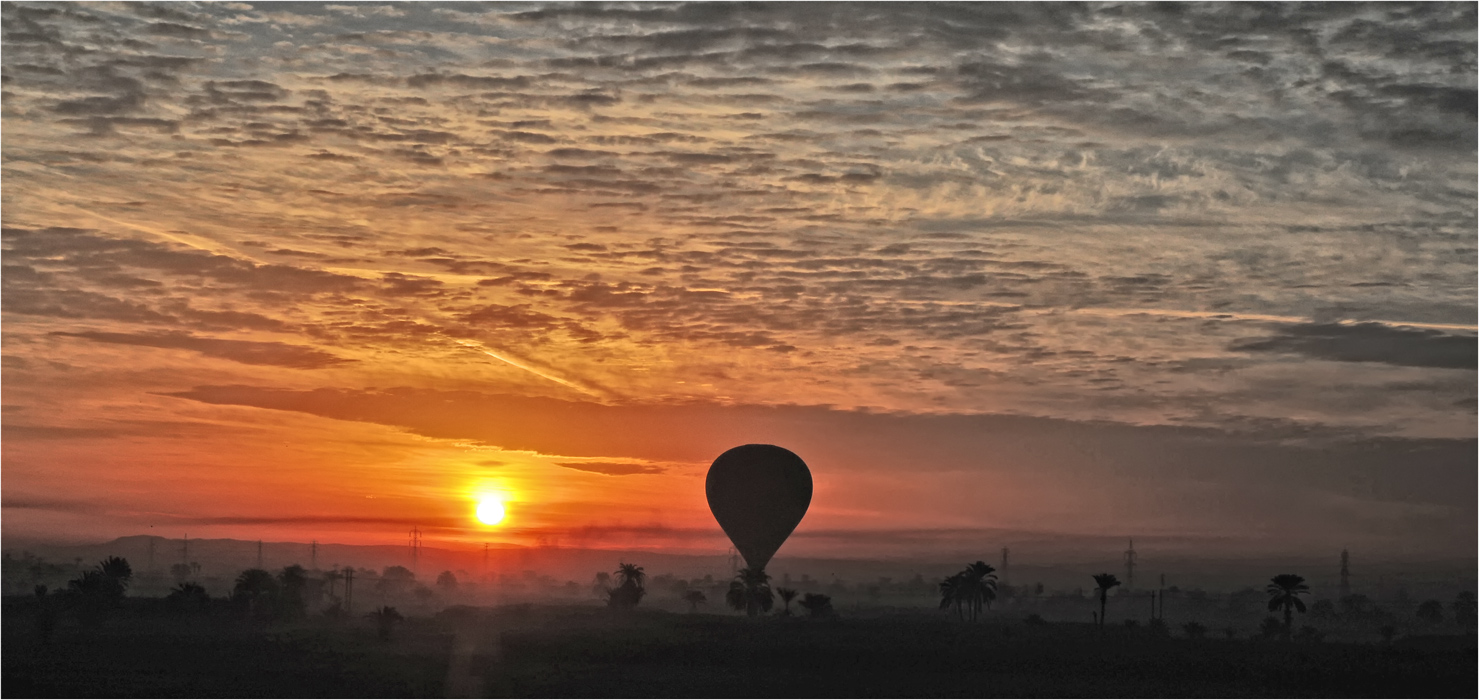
<point>817,605</point>
<point>1283,594</point>
<point>100,590</point>
<point>185,642</point>
<point>787,595</point>
<point>1431,612</point>
<point>385,619</point>
<point>1465,609</point>
<point>750,592</point>
<point>630,587</point>
<point>969,591</point>
<point>1102,583</point>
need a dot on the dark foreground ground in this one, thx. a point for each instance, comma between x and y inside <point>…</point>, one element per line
<point>585,652</point>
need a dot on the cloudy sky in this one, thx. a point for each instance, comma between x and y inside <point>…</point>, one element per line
<point>1203,273</point>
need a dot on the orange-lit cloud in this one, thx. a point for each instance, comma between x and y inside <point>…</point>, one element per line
<point>325,271</point>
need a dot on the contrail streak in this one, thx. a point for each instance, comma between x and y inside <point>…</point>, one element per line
<point>196,242</point>
<point>580,388</point>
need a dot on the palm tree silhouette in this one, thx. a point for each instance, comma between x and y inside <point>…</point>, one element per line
<point>787,595</point>
<point>255,588</point>
<point>629,589</point>
<point>117,569</point>
<point>970,590</point>
<point>953,594</point>
<point>294,581</point>
<point>1104,582</point>
<point>750,591</point>
<point>980,580</point>
<point>630,573</point>
<point>1283,592</point>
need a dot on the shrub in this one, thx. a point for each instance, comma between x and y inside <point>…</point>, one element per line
<point>817,604</point>
<point>1271,628</point>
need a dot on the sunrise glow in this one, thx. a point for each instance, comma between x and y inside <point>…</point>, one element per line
<point>355,269</point>
<point>490,511</point>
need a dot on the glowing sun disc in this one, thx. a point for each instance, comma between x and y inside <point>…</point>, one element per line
<point>490,511</point>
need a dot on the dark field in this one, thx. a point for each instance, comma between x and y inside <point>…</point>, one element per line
<point>584,651</point>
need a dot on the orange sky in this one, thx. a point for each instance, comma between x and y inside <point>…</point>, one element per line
<point>331,272</point>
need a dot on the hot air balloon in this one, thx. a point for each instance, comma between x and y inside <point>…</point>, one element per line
<point>758,493</point>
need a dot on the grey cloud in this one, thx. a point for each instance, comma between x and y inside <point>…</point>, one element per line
<point>82,250</point>
<point>1370,342</point>
<point>73,303</point>
<point>172,29</point>
<point>101,105</point>
<point>613,468</point>
<point>243,351</point>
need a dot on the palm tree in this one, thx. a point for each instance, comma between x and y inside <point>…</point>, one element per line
<point>787,595</point>
<point>294,581</point>
<point>970,590</point>
<point>630,573</point>
<point>629,589</point>
<point>117,569</point>
<point>981,588</point>
<point>254,588</point>
<point>750,591</point>
<point>1283,592</point>
<point>953,594</point>
<point>1104,582</point>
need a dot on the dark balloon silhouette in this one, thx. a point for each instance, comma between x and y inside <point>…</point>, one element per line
<point>758,493</point>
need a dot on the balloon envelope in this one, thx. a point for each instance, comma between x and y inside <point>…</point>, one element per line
<point>758,493</point>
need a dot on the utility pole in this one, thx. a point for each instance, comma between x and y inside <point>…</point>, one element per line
<point>185,550</point>
<point>348,589</point>
<point>1005,579</point>
<point>415,537</point>
<point>1161,595</point>
<point>313,556</point>
<point>1345,573</point>
<point>1130,566</point>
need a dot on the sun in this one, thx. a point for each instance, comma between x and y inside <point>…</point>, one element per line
<point>490,511</point>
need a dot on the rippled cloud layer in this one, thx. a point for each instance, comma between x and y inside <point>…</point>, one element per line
<point>1253,220</point>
